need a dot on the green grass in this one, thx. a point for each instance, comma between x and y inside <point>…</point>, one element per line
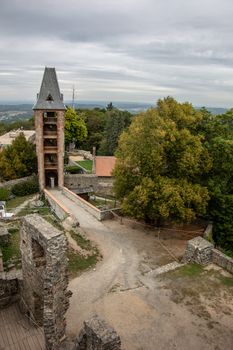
<point>86,164</point>
<point>11,250</point>
<point>81,241</point>
<point>190,270</point>
<point>15,202</point>
<point>226,281</point>
<point>77,263</point>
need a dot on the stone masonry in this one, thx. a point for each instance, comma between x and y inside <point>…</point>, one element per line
<point>97,335</point>
<point>199,251</point>
<point>44,294</point>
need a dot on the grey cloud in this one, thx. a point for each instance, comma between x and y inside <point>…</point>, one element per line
<point>126,50</point>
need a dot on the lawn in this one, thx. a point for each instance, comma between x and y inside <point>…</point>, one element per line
<point>17,201</point>
<point>78,263</point>
<point>86,164</point>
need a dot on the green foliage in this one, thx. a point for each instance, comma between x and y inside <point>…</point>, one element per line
<point>28,187</point>
<point>18,160</point>
<point>160,159</point>
<point>73,169</point>
<point>75,128</point>
<point>95,120</point>
<point>218,132</point>
<point>117,121</point>
<point>4,194</point>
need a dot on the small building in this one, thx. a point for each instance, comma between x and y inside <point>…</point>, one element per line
<point>103,165</point>
<point>9,137</point>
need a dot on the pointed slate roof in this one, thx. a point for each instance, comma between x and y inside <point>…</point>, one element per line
<point>49,96</point>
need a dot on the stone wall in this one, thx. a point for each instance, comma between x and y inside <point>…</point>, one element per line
<point>44,294</point>
<point>202,252</point>
<point>198,250</point>
<point>91,209</point>
<point>61,212</point>
<point>10,184</point>
<point>9,288</point>
<point>222,260</point>
<point>97,335</point>
<point>100,185</point>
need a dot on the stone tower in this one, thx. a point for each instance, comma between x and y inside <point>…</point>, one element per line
<point>49,125</point>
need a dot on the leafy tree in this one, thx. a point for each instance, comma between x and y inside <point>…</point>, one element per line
<point>110,106</point>
<point>18,160</point>
<point>160,159</point>
<point>95,120</point>
<point>116,122</point>
<point>75,128</point>
<point>218,133</point>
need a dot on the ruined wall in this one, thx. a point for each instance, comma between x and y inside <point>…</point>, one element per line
<point>97,334</point>
<point>222,260</point>
<point>202,252</point>
<point>9,288</point>
<point>44,294</point>
<point>198,250</point>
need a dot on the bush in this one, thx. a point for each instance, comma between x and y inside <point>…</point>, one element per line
<point>4,194</point>
<point>74,169</point>
<point>28,187</point>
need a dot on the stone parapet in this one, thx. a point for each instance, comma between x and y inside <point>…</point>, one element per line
<point>97,334</point>
<point>198,250</point>
<point>222,260</point>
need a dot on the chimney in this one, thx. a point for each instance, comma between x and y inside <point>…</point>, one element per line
<point>93,164</point>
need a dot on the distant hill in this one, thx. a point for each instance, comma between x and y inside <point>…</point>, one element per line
<point>215,110</point>
<point>12,112</point>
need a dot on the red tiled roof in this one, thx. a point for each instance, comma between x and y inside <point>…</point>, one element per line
<point>104,165</point>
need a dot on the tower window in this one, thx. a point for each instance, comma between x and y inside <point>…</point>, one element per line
<point>49,98</point>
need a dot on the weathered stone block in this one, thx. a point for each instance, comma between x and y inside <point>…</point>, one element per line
<point>97,334</point>
<point>198,251</point>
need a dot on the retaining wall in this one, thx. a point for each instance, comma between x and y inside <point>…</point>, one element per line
<point>61,211</point>
<point>91,209</point>
<point>100,185</point>
<point>9,184</point>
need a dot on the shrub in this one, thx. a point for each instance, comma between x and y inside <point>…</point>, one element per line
<point>28,187</point>
<point>74,169</point>
<point>4,194</point>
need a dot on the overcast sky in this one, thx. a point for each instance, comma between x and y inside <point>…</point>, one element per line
<point>119,50</point>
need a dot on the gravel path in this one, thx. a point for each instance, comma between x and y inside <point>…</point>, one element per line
<point>124,291</point>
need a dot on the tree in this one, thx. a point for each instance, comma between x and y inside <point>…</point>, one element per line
<point>218,133</point>
<point>160,159</point>
<point>75,128</point>
<point>95,120</point>
<point>18,160</point>
<point>116,122</point>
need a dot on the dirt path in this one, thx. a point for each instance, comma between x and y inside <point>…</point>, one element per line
<point>123,290</point>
